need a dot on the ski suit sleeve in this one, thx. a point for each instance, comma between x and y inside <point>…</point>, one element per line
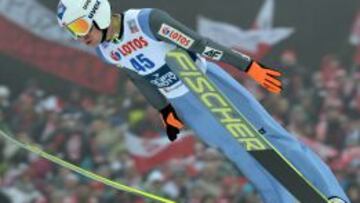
<point>166,28</point>
<point>152,95</point>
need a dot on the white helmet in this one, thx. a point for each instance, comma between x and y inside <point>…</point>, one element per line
<point>78,16</point>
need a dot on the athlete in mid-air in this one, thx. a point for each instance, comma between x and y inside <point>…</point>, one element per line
<point>137,41</point>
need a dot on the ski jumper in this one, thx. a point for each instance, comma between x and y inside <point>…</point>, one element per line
<point>146,36</point>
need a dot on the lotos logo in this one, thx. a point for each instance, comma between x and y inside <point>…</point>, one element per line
<point>128,48</point>
<point>61,10</point>
<point>165,31</point>
<point>134,45</point>
<point>94,9</point>
<point>115,55</point>
<point>176,36</point>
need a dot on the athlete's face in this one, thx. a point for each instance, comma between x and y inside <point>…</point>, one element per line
<point>93,38</point>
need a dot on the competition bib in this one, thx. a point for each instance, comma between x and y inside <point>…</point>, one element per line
<point>144,55</point>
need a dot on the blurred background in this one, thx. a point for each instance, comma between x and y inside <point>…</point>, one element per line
<point>57,94</point>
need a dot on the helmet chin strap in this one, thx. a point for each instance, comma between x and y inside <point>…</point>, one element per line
<point>104,32</point>
<point>113,31</point>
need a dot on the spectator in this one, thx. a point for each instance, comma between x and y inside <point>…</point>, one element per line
<point>88,130</point>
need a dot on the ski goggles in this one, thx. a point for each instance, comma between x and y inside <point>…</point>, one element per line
<point>79,27</point>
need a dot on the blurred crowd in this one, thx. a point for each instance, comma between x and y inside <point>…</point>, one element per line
<point>321,106</point>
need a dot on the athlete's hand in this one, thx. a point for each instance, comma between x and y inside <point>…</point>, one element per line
<point>171,121</point>
<point>266,77</point>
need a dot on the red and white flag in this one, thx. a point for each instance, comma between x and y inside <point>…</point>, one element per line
<point>265,17</point>
<point>355,37</point>
<point>256,41</point>
<point>355,34</point>
<point>149,153</point>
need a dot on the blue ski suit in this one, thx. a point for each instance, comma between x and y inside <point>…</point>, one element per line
<point>146,36</point>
